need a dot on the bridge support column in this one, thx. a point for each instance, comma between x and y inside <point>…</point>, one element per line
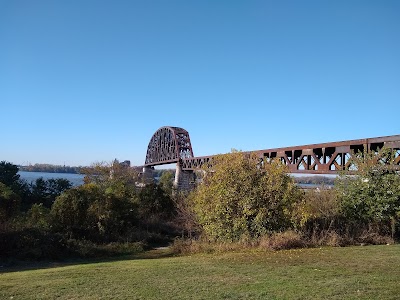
<point>184,179</point>
<point>148,174</point>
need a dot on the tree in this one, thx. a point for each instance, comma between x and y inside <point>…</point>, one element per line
<point>10,177</point>
<point>70,210</point>
<point>9,203</point>
<point>240,197</point>
<point>38,216</point>
<point>167,181</point>
<point>8,173</point>
<point>106,174</point>
<point>372,196</point>
<point>154,203</point>
<point>112,215</point>
<point>39,190</point>
<point>115,177</point>
<point>56,186</point>
<point>46,191</point>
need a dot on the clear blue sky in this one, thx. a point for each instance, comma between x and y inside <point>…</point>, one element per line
<point>84,81</point>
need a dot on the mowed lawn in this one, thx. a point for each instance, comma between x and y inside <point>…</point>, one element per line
<point>368,272</point>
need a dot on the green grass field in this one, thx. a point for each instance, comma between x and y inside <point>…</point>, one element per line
<point>369,272</point>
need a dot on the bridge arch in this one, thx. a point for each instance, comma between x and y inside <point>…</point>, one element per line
<point>168,145</point>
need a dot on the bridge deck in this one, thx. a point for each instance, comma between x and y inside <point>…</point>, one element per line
<point>325,158</point>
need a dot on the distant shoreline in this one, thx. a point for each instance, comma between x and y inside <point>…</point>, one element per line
<point>48,171</point>
<point>44,168</point>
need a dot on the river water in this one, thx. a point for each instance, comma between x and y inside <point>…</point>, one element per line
<point>75,179</point>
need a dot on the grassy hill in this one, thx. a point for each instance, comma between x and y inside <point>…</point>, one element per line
<point>368,272</point>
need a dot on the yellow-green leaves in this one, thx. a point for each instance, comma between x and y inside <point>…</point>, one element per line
<point>238,198</point>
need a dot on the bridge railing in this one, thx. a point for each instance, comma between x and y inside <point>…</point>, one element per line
<point>195,162</point>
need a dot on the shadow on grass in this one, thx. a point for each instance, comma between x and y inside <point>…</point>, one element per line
<point>13,265</point>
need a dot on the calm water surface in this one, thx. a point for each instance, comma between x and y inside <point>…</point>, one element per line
<point>75,179</point>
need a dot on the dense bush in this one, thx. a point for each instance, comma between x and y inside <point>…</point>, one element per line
<point>155,203</point>
<point>239,197</point>
<point>37,244</point>
<point>90,212</point>
<point>109,207</point>
<point>32,244</point>
<point>318,208</point>
<point>363,207</point>
<point>371,198</point>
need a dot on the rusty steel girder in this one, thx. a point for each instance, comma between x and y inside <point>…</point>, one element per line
<point>172,145</point>
<point>325,158</point>
<point>168,145</point>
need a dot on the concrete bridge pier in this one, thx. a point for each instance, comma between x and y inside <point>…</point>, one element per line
<point>184,179</point>
<point>148,174</point>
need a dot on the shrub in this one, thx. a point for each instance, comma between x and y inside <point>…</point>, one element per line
<point>90,212</point>
<point>37,216</point>
<point>87,249</point>
<point>38,244</point>
<point>374,238</point>
<point>154,203</point>
<point>32,244</point>
<point>239,197</point>
<point>282,240</point>
<point>318,207</point>
<point>185,218</point>
<point>372,197</point>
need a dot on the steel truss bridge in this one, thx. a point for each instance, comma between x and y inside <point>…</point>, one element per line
<point>172,145</point>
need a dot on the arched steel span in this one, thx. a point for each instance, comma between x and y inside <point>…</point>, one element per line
<point>168,145</point>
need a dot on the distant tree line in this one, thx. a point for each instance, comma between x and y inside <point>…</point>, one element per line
<point>51,168</point>
<point>157,173</point>
<point>318,180</point>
